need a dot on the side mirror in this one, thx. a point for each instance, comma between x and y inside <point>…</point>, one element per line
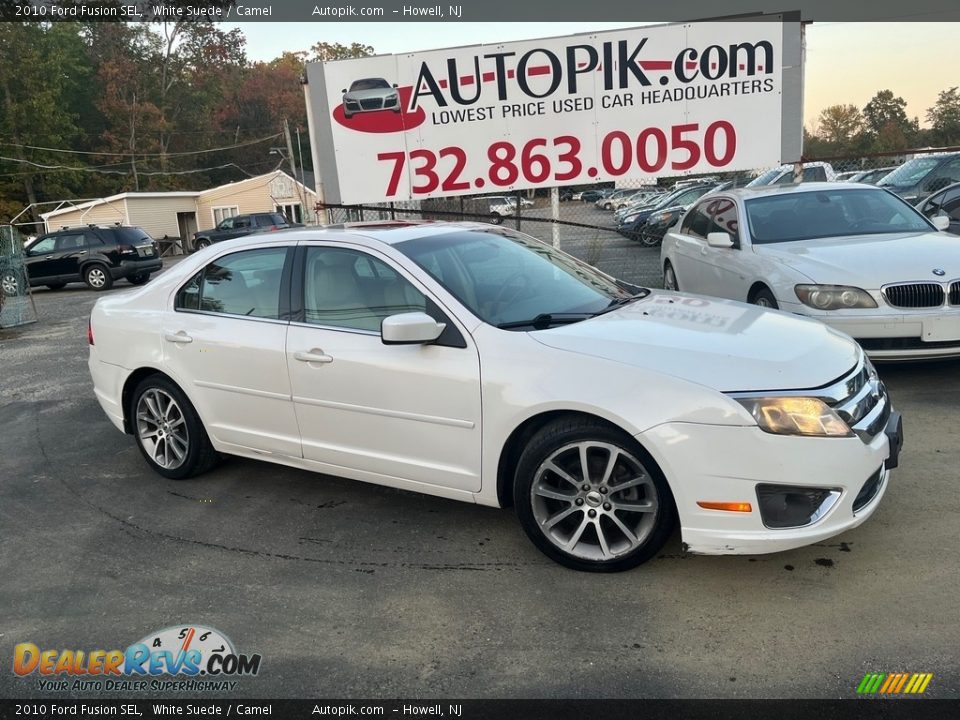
<point>414,328</point>
<point>719,240</point>
<point>395,85</point>
<point>344,91</point>
<point>941,221</point>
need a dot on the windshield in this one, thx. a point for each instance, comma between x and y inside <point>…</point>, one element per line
<point>503,276</point>
<point>912,172</point>
<point>830,213</point>
<point>369,84</point>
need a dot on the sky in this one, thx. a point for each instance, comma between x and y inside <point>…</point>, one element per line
<point>845,62</point>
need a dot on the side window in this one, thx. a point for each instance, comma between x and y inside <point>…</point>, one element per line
<point>951,204</point>
<point>946,174</point>
<point>696,222</point>
<point>92,239</point>
<point>243,283</point>
<point>227,224</point>
<point>723,216</point>
<point>66,243</point>
<point>351,289</point>
<point>814,174</point>
<point>241,222</point>
<point>44,245</point>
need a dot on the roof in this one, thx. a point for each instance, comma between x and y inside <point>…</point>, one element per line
<point>388,232</point>
<point>171,194</point>
<point>762,190</point>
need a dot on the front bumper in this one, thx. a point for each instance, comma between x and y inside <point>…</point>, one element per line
<point>895,335</point>
<point>716,463</point>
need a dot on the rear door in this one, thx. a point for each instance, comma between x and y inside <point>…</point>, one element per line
<point>70,250</point>
<point>224,342</point>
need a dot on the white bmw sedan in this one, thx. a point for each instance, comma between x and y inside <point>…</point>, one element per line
<point>479,364</point>
<point>854,256</point>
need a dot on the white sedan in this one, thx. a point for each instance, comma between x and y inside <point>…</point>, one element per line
<point>478,364</point>
<point>853,256</point>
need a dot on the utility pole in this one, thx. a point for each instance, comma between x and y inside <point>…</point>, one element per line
<point>293,168</point>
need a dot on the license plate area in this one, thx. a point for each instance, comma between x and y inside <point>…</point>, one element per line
<point>940,329</point>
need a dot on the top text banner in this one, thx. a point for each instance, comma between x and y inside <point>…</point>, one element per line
<point>630,104</point>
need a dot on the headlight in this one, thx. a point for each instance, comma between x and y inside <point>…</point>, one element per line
<point>630,218</point>
<point>663,218</point>
<point>795,416</point>
<point>834,297</point>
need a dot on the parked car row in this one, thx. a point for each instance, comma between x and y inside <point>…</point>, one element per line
<point>859,258</point>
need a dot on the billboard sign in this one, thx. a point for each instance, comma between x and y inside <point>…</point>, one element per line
<point>631,104</point>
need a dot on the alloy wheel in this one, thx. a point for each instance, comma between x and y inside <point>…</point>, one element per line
<point>594,500</point>
<point>96,277</point>
<point>162,429</point>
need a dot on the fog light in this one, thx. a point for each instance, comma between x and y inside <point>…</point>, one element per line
<point>783,506</point>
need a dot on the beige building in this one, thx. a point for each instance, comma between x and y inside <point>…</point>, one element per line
<point>178,215</point>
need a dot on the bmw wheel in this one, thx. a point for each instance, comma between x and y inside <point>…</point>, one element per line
<point>590,498</point>
<point>670,277</point>
<point>764,298</point>
<point>97,277</point>
<point>168,430</point>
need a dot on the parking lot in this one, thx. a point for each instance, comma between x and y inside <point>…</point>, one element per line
<point>354,590</point>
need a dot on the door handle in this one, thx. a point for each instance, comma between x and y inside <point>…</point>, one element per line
<point>49,257</point>
<point>180,337</point>
<point>314,356</point>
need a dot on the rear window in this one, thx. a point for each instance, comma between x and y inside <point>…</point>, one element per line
<point>130,235</point>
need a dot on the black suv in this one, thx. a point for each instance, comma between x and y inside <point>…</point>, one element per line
<point>238,226</point>
<point>94,254</point>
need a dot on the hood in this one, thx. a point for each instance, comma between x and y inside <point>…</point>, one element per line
<point>871,261</point>
<point>725,345</point>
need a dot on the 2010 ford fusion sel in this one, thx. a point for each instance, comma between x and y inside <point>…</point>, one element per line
<point>478,364</point>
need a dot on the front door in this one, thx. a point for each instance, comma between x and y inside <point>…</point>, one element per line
<point>407,412</point>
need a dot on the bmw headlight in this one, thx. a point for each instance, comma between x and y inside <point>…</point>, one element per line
<point>834,297</point>
<point>795,416</point>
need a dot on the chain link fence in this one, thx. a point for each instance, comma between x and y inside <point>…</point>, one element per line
<point>16,302</point>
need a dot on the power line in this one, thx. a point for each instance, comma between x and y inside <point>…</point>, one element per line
<point>102,171</point>
<point>143,155</point>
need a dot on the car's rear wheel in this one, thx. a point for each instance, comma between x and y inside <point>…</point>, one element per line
<point>10,284</point>
<point>670,277</point>
<point>168,430</point>
<point>139,278</point>
<point>97,277</point>
<point>590,498</point>
<point>201,243</point>
<point>764,298</point>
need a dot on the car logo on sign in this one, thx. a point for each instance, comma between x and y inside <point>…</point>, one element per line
<point>938,272</point>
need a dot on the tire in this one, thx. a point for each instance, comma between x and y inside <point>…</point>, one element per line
<point>496,219</point>
<point>201,243</point>
<point>168,430</point>
<point>139,278</point>
<point>543,495</point>
<point>670,281</point>
<point>57,286</point>
<point>97,277</point>
<point>648,240</point>
<point>764,298</point>
<point>10,284</point>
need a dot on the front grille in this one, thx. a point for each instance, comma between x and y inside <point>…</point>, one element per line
<point>371,104</point>
<point>860,399</point>
<point>915,295</point>
<point>905,343</point>
<point>955,293</point>
<point>869,490</point>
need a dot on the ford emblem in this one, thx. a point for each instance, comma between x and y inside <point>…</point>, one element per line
<point>938,272</point>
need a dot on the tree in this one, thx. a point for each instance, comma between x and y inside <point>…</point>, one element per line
<point>840,124</point>
<point>944,117</point>
<point>335,51</point>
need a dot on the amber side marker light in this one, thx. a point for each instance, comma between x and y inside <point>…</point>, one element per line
<point>728,506</point>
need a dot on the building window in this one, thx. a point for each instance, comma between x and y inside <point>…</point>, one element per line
<point>293,212</point>
<point>219,213</point>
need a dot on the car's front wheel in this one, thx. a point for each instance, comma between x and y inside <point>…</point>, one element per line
<point>201,243</point>
<point>97,277</point>
<point>648,239</point>
<point>764,298</point>
<point>496,218</point>
<point>168,430</point>
<point>10,284</point>
<point>670,277</point>
<point>590,498</point>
